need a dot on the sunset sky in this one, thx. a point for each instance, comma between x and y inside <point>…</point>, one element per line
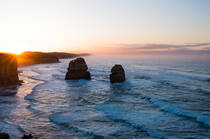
<point>109,26</point>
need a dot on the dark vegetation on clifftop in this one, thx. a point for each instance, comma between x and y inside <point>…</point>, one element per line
<point>31,58</point>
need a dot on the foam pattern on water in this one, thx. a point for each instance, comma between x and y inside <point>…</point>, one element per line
<point>158,100</point>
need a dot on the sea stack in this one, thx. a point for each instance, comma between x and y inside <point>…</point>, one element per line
<point>117,74</point>
<point>8,70</point>
<point>30,136</point>
<point>78,70</point>
<point>4,136</point>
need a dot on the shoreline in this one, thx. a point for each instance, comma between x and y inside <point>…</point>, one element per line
<point>22,91</point>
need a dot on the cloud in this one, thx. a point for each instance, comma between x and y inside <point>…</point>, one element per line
<point>206,48</point>
<point>164,46</point>
<point>160,49</point>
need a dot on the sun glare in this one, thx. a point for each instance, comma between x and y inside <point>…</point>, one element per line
<point>15,49</point>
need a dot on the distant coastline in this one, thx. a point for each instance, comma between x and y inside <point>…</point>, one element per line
<point>9,63</point>
<point>31,58</point>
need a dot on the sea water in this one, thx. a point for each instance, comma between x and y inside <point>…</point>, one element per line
<point>159,99</point>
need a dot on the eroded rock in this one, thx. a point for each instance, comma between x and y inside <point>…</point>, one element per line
<point>30,136</point>
<point>78,70</point>
<point>117,74</point>
<point>4,136</point>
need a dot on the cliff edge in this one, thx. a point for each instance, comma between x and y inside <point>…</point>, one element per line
<point>8,70</point>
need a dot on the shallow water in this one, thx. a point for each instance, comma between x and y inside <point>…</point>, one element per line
<point>160,99</point>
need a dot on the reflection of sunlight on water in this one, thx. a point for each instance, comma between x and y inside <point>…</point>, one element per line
<point>61,109</point>
<point>17,107</point>
<point>28,84</point>
<point>26,87</point>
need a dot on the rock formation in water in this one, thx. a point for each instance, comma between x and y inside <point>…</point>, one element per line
<point>78,70</point>
<point>30,136</point>
<point>8,70</point>
<point>117,74</point>
<point>4,136</point>
<point>7,136</point>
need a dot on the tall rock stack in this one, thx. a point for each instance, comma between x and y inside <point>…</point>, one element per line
<point>8,70</point>
<point>78,70</point>
<point>117,74</point>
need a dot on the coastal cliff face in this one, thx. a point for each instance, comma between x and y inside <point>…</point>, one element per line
<point>31,58</point>
<point>8,70</point>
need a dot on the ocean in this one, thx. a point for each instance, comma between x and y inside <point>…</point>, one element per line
<point>159,99</point>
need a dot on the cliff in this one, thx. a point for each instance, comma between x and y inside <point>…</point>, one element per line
<point>8,70</point>
<point>61,55</point>
<point>30,58</point>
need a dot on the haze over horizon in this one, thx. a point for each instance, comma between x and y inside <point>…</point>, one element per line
<point>106,26</point>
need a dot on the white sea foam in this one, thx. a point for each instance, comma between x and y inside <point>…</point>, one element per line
<point>157,99</point>
<point>182,110</point>
<point>142,119</point>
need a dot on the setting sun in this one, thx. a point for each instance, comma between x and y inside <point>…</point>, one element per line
<point>104,69</point>
<point>14,48</point>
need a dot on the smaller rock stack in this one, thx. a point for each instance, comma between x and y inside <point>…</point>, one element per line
<point>117,74</point>
<point>78,70</point>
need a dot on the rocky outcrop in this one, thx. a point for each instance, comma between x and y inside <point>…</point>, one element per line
<point>78,70</point>
<point>30,136</point>
<point>7,136</point>
<point>117,74</point>
<point>8,70</point>
<point>4,136</point>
